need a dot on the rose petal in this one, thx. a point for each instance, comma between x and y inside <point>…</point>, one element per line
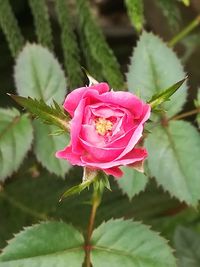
<point>72,100</point>
<point>67,154</point>
<point>137,154</point>
<point>90,135</point>
<point>138,166</point>
<point>115,171</point>
<point>138,132</point>
<point>75,126</point>
<point>106,110</point>
<point>100,154</point>
<point>121,99</point>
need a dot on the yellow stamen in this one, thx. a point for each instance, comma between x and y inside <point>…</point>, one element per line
<point>103,126</point>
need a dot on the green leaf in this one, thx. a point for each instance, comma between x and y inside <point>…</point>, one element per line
<point>197,104</point>
<point>171,11</point>
<point>127,243</point>
<point>16,135</point>
<point>42,24</point>
<point>136,13</point>
<point>155,66</point>
<point>174,160</point>
<point>39,75</point>
<point>45,147</point>
<point>187,245</point>
<point>132,182</point>
<point>46,244</point>
<point>160,98</point>
<point>53,114</point>
<point>70,44</point>
<point>97,44</point>
<point>10,28</point>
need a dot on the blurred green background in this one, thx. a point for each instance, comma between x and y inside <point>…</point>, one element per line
<point>32,194</point>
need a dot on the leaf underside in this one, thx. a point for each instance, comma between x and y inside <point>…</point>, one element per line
<point>46,145</point>
<point>39,75</point>
<point>154,67</point>
<point>132,182</point>
<point>174,160</point>
<point>16,135</point>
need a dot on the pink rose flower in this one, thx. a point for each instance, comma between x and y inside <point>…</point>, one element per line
<point>105,128</point>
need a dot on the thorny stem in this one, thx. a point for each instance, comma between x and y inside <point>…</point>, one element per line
<point>96,200</point>
<point>190,27</point>
<point>186,114</point>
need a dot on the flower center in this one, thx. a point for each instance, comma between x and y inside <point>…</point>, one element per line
<point>103,126</point>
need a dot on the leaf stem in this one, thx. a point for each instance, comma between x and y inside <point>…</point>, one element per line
<point>96,200</point>
<point>186,114</point>
<point>190,27</point>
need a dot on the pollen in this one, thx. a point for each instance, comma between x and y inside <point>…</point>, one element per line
<point>103,126</point>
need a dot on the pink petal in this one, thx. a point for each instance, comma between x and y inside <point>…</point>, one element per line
<point>75,126</point>
<point>138,131</point>
<point>121,99</point>
<point>72,100</point>
<point>101,153</point>
<point>106,110</point>
<point>115,171</point>
<point>67,154</point>
<point>90,135</point>
<point>137,154</point>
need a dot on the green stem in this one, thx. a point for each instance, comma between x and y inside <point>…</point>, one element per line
<point>96,200</point>
<point>186,114</point>
<point>191,26</point>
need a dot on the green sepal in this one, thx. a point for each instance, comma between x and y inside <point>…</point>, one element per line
<point>76,189</point>
<point>50,114</point>
<point>159,98</point>
<point>89,177</point>
<point>97,178</point>
<point>101,182</point>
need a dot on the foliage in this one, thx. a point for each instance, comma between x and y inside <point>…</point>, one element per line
<point>66,245</point>
<point>52,243</point>
<point>98,46</point>
<point>10,28</point>
<point>151,71</point>
<point>44,138</point>
<point>136,13</point>
<point>39,75</point>
<point>42,23</point>
<point>126,248</point>
<point>132,182</point>
<point>187,244</point>
<point>164,96</point>
<point>197,104</point>
<point>171,12</point>
<point>16,135</point>
<point>69,44</point>
<point>49,114</point>
<point>175,142</point>
<point>32,194</point>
